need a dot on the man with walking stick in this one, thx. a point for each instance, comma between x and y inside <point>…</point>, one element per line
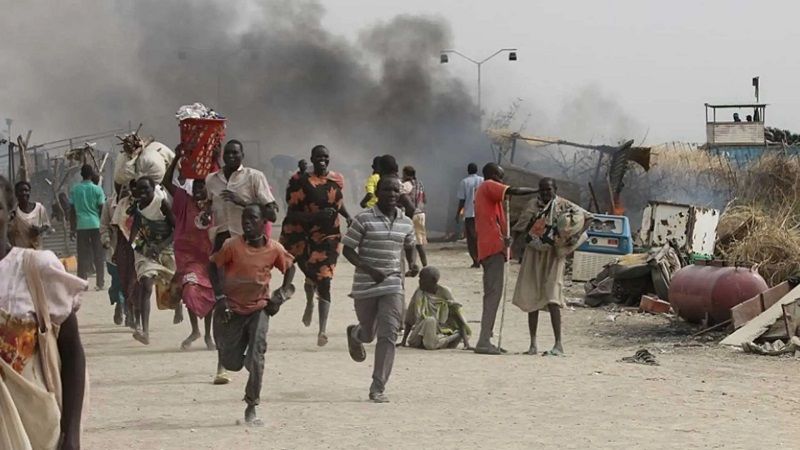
<point>493,242</point>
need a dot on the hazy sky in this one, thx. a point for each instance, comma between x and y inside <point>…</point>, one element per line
<point>587,70</point>
<point>660,61</point>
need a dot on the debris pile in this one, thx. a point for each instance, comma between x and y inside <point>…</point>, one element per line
<point>769,323</point>
<point>626,280</point>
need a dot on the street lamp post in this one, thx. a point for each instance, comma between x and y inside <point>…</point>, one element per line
<point>512,56</point>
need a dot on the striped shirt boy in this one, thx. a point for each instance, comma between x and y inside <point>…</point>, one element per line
<point>380,243</point>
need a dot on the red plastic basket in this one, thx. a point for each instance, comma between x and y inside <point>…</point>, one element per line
<point>199,139</point>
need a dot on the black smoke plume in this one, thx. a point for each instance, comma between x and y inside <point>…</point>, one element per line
<point>284,81</point>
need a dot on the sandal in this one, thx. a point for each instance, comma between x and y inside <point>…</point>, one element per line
<point>222,378</point>
<point>354,347</point>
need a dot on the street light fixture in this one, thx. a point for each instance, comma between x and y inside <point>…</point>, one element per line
<point>444,59</point>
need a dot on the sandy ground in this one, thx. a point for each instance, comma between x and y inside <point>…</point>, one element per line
<point>701,396</point>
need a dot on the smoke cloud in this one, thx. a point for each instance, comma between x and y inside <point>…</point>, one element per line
<point>269,66</point>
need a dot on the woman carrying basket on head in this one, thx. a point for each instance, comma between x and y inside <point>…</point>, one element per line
<point>41,398</point>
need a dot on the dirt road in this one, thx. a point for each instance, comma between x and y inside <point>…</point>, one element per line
<point>159,397</point>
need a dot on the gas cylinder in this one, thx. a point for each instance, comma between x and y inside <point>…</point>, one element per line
<point>706,291</point>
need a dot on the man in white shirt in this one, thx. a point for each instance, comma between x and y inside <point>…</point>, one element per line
<point>231,189</point>
<point>466,203</point>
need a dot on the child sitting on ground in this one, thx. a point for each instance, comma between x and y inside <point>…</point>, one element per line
<point>434,319</point>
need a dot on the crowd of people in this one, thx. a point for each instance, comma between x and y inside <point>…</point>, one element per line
<point>205,244</point>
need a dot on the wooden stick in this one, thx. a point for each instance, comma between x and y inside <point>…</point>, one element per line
<point>706,330</point>
<point>611,195</point>
<point>23,160</point>
<point>594,198</point>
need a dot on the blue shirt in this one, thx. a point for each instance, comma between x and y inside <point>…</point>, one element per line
<point>466,192</point>
<point>87,199</point>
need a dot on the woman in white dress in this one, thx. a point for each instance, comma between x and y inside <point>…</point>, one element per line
<point>42,374</point>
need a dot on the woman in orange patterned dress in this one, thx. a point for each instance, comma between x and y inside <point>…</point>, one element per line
<point>311,231</point>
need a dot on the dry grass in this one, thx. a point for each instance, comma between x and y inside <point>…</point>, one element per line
<point>762,224</point>
<point>774,183</point>
<point>748,234</point>
<point>690,171</point>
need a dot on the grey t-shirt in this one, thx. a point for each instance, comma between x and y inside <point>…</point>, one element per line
<point>380,243</point>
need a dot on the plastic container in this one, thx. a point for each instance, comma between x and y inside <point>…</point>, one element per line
<point>199,140</point>
<point>706,291</point>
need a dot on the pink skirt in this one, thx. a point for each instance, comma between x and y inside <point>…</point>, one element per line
<point>198,299</point>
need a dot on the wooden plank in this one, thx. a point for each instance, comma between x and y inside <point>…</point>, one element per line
<point>751,308</point>
<point>746,311</point>
<point>772,295</point>
<point>756,327</point>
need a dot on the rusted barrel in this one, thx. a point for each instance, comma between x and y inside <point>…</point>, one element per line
<point>708,290</point>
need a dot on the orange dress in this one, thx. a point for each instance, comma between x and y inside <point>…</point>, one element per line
<point>315,246</point>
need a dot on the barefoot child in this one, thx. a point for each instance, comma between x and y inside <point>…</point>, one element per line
<point>434,319</point>
<point>241,315</point>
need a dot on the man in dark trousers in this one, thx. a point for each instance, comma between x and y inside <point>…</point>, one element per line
<point>244,304</point>
<point>87,200</point>
<point>374,244</point>
<point>466,203</point>
<point>493,243</point>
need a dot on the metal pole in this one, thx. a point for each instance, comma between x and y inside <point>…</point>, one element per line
<point>219,85</point>
<point>11,162</point>
<point>480,111</point>
<point>479,63</point>
<point>506,267</point>
<point>10,153</point>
